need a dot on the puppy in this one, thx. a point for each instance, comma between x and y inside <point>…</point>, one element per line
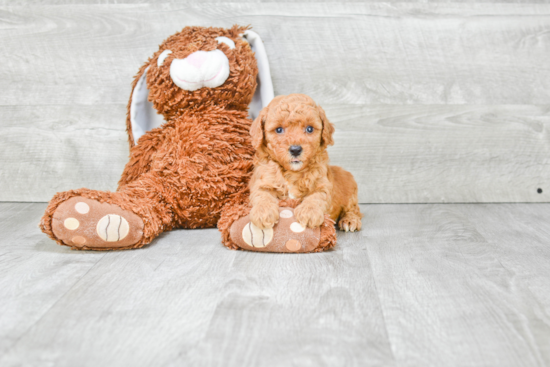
<point>291,136</point>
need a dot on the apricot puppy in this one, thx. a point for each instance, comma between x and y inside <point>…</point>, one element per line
<point>291,136</point>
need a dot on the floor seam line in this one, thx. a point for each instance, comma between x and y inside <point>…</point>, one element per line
<point>53,305</point>
<point>381,307</point>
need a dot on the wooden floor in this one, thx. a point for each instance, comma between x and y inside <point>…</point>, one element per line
<point>422,285</point>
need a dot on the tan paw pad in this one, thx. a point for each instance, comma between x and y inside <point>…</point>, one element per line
<point>71,223</point>
<point>82,207</point>
<point>296,227</point>
<point>286,214</point>
<point>256,237</point>
<point>293,245</point>
<point>112,228</point>
<point>78,240</point>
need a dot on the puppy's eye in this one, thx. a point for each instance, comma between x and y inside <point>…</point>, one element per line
<point>228,41</point>
<point>279,130</point>
<point>309,129</point>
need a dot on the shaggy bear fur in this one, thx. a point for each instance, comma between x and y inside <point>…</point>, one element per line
<point>184,173</point>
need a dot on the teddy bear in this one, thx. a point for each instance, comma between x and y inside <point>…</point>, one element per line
<point>191,156</point>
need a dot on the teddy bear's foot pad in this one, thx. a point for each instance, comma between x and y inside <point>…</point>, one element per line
<point>286,236</point>
<point>88,224</point>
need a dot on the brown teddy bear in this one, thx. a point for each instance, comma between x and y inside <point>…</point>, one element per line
<point>190,148</point>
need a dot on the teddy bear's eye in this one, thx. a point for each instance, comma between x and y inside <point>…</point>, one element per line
<point>229,42</point>
<point>163,57</point>
<point>279,130</point>
<point>309,129</point>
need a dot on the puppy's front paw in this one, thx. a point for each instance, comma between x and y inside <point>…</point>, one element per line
<point>309,215</point>
<point>264,216</point>
<point>350,223</point>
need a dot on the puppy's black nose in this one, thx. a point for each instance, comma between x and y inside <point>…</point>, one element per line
<point>295,150</point>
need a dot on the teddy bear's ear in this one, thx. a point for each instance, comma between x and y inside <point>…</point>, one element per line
<point>142,116</point>
<point>264,91</point>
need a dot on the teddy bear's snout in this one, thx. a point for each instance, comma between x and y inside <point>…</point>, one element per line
<point>200,69</point>
<point>197,59</point>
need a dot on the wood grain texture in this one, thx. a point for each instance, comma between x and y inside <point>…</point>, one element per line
<point>445,153</point>
<point>422,285</point>
<point>34,274</point>
<point>439,102</point>
<point>98,2</point>
<point>371,53</point>
<point>437,153</point>
<point>187,300</point>
<point>463,285</point>
<point>46,149</point>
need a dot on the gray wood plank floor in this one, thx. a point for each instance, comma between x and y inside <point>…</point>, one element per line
<point>421,285</point>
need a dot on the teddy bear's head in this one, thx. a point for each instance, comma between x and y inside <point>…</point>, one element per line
<point>199,67</point>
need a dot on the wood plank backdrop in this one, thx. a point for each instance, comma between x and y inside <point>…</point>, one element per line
<point>437,102</point>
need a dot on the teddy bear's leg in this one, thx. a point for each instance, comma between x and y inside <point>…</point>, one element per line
<point>286,236</point>
<point>141,157</point>
<point>86,223</point>
<point>233,210</point>
<point>97,220</point>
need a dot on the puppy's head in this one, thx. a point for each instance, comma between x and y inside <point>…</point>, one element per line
<point>292,130</point>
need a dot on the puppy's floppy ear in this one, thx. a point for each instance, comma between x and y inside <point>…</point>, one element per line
<point>328,128</point>
<point>257,129</point>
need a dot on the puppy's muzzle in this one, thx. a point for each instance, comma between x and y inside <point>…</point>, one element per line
<point>295,150</point>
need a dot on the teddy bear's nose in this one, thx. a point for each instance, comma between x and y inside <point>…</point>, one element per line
<point>200,69</point>
<point>197,58</point>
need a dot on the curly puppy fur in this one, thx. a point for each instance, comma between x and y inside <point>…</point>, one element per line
<point>291,136</point>
<point>183,173</point>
